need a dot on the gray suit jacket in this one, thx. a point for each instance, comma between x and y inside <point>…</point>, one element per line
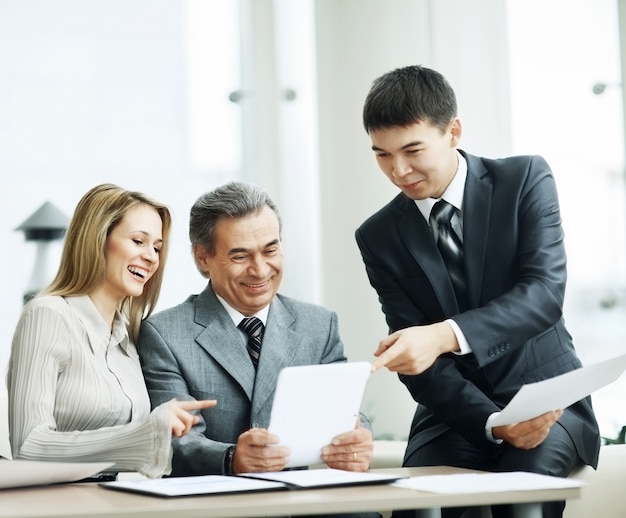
<point>194,351</point>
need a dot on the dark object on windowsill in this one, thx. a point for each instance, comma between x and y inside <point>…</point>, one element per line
<point>620,439</point>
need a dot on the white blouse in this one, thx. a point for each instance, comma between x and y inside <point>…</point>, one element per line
<point>77,393</point>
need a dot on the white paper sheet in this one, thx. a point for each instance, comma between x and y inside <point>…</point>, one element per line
<point>559,392</point>
<point>188,486</point>
<point>476,482</point>
<point>22,473</point>
<point>315,403</point>
<point>310,478</point>
<point>247,482</point>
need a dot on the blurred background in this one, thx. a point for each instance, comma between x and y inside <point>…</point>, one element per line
<point>175,97</point>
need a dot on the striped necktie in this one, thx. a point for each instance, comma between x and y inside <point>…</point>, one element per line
<point>253,327</point>
<point>451,248</point>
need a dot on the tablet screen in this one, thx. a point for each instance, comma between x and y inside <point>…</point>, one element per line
<point>315,403</point>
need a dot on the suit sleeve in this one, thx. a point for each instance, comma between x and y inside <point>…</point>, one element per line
<point>194,454</point>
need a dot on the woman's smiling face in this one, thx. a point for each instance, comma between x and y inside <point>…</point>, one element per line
<point>132,252</point>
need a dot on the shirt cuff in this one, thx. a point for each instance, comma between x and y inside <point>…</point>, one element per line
<point>460,338</point>
<point>489,429</point>
<point>229,457</point>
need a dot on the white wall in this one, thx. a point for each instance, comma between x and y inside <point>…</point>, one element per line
<point>95,91</point>
<point>92,92</point>
<point>553,104</point>
<point>358,40</point>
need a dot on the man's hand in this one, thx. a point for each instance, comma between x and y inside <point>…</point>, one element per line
<point>257,452</point>
<point>350,451</point>
<point>415,349</point>
<point>527,434</point>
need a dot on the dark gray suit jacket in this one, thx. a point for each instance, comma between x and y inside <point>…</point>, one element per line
<point>515,268</point>
<point>195,351</point>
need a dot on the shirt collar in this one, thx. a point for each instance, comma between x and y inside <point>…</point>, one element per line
<point>237,317</point>
<point>453,193</point>
<point>99,334</point>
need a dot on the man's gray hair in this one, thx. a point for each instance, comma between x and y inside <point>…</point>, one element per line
<point>232,200</point>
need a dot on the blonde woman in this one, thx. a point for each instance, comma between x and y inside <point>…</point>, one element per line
<point>76,391</point>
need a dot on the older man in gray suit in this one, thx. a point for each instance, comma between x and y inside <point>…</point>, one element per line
<point>197,349</point>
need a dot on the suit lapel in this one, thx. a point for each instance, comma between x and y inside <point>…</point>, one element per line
<point>222,340</point>
<point>280,346</point>
<point>476,211</point>
<point>224,343</point>
<point>419,241</point>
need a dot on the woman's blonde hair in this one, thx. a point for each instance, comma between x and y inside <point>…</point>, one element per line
<point>83,260</point>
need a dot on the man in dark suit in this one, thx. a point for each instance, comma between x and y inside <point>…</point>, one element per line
<point>472,322</point>
<point>196,348</point>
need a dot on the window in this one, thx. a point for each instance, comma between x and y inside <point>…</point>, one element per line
<point>567,106</point>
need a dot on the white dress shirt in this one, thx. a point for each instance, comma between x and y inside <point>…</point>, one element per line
<point>454,196</point>
<point>237,316</point>
<point>77,393</point>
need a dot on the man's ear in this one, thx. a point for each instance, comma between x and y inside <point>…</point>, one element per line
<point>201,257</point>
<point>455,131</point>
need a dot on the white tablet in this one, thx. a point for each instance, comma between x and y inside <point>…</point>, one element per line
<point>315,403</point>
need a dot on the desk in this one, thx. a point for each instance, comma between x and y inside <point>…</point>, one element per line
<point>90,500</point>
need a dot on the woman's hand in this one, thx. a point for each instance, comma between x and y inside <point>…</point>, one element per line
<point>181,417</point>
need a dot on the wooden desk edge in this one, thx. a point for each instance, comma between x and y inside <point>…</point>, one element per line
<point>77,500</point>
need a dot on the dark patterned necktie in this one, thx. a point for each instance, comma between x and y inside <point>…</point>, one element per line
<point>253,327</point>
<point>451,248</point>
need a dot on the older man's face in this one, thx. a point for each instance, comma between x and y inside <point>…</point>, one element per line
<point>247,266</point>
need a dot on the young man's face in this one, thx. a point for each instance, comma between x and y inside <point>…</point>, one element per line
<point>420,159</point>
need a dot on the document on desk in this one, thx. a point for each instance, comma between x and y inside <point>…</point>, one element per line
<point>478,482</point>
<point>315,403</point>
<point>328,477</point>
<point>24,473</point>
<point>535,399</point>
<point>190,486</point>
<point>248,482</point>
